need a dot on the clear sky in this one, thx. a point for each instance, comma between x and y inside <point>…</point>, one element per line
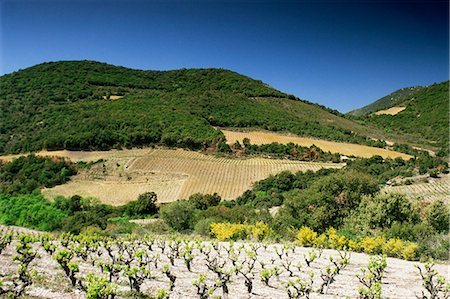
<point>342,54</point>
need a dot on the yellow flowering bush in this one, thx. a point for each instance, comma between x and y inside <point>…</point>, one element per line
<point>410,252</point>
<point>353,246</point>
<point>321,241</point>
<point>306,236</point>
<point>234,231</point>
<point>335,241</point>
<point>228,231</point>
<point>372,245</point>
<point>260,230</point>
<point>393,247</point>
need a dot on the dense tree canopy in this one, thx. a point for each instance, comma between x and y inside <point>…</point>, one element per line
<point>75,105</point>
<point>26,174</point>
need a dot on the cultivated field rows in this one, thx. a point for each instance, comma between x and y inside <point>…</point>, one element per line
<point>401,279</point>
<point>173,174</point>
<point>265,137</point>
<point>433,190</point>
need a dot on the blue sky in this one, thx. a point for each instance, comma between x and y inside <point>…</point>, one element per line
<point>341,54</point>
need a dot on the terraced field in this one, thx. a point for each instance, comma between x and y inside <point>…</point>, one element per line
<point>172,174</point>
<point>265,137</point>
<point>433,190</point>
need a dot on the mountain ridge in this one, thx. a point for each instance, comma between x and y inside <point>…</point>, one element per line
<point>87,105</point>
<point>387,101</point>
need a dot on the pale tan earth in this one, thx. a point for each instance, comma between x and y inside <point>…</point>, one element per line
<point>87,156</point>
<point>401,279</point>
<point>391,111</point>
<point>266,137</point>
<point>171,174</point>
<point>112,97</point>
<point>429,189</point>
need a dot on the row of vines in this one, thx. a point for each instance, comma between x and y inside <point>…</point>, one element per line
<point>157,267</point>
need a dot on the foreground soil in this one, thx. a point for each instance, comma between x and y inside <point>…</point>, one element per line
<point>401,278</point>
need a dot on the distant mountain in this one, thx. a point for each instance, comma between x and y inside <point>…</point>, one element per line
<point>86,105</point>
<point>425,117</point>
<point>388,101</point>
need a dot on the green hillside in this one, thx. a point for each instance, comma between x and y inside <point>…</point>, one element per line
<point>388,101</point>
<point>425,119</point>
<point>67,105</point>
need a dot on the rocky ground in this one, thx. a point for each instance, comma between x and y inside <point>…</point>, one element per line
<point>401,278</point>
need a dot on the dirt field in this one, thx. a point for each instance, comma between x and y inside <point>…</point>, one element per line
<point>429,191</point>
<point>172,174</point>
<point>112,97</point>
<point>401,279</point>
<point>264,137</point>
<point>391,111</point>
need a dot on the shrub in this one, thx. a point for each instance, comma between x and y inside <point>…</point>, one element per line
<point>327,201</point>
<point>178,215</point>
<point>393,247</point>
<point>306,236</point>
<point>26,174</point>
<point>32,211</point>
<point>410,252</point>
<point>229,231</point>
<point>70,205</point>
<point>334,240</point>
<point>204,201</point>
<point>353,246</point>
<point>321,241</point>
<point>144,205</point>
<point>372,245</point>
<point>203,227</point>
<point>233,231</point>
<point>382,212</point>
<point>260,230</point>
<point>438,216</point>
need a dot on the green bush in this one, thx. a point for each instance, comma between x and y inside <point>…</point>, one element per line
<point>32,211</point>
<point>438,216</point>
<point>381,212</point>
<point>203,227</point>
<point>204,201</point>
<point>178,215</point>
<point>143,206</point>
<point>327,202</point>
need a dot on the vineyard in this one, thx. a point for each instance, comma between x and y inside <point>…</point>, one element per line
<point>262,137</point>
<point>173,174</point>
<point>44,266</point>
<point>432,190</point>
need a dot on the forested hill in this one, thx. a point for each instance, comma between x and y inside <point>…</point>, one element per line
<point>91,105</point>
<point>388,101</point>
<point>425,117</point>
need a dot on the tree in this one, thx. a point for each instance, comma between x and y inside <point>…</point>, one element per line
<point>438,216</point>
<point>327,202</point>
<point>144,205</point>
<point>204,201</point>
<point>178,215</point>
